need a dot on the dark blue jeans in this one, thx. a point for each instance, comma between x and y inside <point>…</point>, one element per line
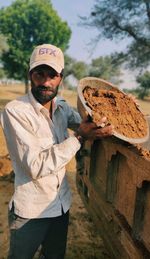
<point>26,235</point>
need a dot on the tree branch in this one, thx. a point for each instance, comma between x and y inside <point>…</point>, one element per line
<point>147,8</point>
<point>129,30</point>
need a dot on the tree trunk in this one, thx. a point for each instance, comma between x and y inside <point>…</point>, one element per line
<point>143,93</point>
<point>26,86</point>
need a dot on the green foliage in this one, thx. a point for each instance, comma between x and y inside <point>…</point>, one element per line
<point>144,82</point>
<point>3,44</point>
<point>133,91</point>
<point>3,48</point>
<point>69,63</point>
<point>78,69</point>
<point>120,19</point>
<point>2,73</point>
<point>106,68</point>
<point>27,23</point>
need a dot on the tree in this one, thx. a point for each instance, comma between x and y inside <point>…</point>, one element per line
<point>3,48</point>
<point>69,63</point>
<point>27,23</point>
<point>120,19</point>
<point>76,68</point>
<point>105,67</point>
<point>144,81</point>
<point>80,69</point>
<point>3,44</point>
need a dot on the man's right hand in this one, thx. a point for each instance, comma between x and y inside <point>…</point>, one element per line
<point>89,130</point>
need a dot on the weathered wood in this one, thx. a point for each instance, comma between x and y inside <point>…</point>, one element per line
<point>114,183</point>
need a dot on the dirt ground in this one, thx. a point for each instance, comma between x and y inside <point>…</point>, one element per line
<point>83,240</point>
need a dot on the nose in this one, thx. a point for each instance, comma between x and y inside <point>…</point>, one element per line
<point>47,81</point>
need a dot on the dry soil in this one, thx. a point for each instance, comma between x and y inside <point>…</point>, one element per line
<point>119,109</point>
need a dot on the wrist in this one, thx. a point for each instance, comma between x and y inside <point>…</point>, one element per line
<point>79,137</point>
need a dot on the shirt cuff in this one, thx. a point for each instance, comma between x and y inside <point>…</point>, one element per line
<point>76,141</point>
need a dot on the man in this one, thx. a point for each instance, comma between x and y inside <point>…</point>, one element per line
<point>35,127</point>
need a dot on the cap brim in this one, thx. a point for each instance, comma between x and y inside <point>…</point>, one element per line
<point>50,64</point>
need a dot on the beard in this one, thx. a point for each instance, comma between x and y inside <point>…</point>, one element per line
<point>43,94</point>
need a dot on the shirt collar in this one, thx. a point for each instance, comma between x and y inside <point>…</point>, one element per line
<point>39,107</point>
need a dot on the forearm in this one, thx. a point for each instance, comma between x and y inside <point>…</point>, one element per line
<point>39,163</point>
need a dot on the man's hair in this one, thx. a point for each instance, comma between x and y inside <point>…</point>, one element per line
<point>46,66</point>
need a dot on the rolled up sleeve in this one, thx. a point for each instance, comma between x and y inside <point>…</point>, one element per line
<point>37,156</point>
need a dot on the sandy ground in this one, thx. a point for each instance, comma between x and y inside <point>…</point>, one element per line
<point>83,240</point>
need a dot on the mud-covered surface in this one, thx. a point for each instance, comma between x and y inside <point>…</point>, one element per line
<point>120,110</point>
<point>142,151</point>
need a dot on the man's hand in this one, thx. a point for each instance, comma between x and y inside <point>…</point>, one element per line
<point>89,130</point>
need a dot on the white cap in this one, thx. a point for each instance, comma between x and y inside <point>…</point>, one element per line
<point>47,54</point>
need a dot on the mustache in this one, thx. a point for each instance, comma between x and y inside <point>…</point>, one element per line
<point>45,88</point>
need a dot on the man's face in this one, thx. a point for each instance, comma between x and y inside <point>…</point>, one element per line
<point>44,83</point>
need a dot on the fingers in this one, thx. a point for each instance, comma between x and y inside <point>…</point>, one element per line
<point>104,132</point>
<point>102,122</point>
<point>104,119</point>
<point>87,117</point>
<point>89,130</point>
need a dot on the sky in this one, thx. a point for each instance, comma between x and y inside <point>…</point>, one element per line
<point>81,37</point>
<point>79,45</point>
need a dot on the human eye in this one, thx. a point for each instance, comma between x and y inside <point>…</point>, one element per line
<point>52,74</point>
<point>38,75</point>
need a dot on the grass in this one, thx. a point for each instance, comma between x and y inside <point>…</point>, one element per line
<point>10,92</point>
